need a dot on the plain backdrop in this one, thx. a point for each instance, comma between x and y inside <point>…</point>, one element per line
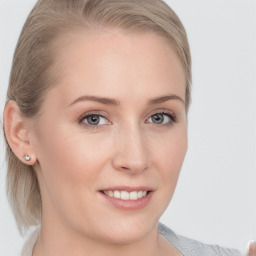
<point>215,201</point>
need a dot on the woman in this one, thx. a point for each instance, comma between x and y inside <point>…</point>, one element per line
<point>96,126</point>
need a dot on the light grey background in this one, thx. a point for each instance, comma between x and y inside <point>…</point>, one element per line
<point>215,200</point>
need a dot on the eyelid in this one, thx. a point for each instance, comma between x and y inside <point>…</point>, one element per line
<point>165,112</point>
<point>92,113</point>
<point>102,114</point>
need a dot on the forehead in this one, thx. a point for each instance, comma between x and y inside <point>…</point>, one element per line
<point>107,60</point>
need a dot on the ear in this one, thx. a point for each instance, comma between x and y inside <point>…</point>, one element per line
<point>16,128</point>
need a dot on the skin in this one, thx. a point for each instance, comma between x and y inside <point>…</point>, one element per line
<point>252,248</point>
<point>74,160</point>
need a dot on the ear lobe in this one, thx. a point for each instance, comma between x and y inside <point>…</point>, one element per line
<point>16,132</point>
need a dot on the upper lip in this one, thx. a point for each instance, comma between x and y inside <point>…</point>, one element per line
<point>128,188</point>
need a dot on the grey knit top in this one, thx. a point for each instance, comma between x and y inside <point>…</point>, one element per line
<point>189,247</point>
<point>186,246</point>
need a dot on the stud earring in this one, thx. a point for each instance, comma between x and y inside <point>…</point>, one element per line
<point>27,157</point>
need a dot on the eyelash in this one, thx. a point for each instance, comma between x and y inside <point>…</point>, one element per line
<point>92,114</point>
<point>172,117</point>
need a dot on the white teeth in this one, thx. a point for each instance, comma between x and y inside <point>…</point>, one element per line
<point>124,195</point>
<point>117,194</point>
<point>140,194</point>
<point>133,195</point>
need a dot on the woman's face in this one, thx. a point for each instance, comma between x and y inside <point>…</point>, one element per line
<point>114,125</point>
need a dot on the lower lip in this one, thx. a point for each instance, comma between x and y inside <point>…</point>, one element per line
<point>129,204</point>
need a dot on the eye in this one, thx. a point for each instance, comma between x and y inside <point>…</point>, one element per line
<point>94,120</point>
<point>162,118</point>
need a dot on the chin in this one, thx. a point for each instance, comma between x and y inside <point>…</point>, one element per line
<point>129,231</point>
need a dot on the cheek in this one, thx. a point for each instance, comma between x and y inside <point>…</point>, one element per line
<point>67,156</point>
<point>61,160</point>
<point>72,161</point>
<point>70,166</point>
<point>170,154</point>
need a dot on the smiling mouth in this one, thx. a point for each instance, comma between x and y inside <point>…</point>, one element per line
<point>125,195</point>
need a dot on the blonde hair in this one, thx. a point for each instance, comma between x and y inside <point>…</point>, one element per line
<point>32,71</point>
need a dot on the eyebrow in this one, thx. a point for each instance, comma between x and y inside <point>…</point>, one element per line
<point>106,101</point>
<point>114,102</point>
<point>165,98</point>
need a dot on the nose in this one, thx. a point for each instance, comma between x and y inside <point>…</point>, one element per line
<point>131,154</point>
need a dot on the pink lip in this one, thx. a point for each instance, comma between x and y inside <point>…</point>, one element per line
<point>128,189</point>
<point>128,204</point>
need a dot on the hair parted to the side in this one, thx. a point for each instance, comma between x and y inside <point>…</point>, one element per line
<point>33,73</point>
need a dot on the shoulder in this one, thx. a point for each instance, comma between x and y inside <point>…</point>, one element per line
<point>190,247</point>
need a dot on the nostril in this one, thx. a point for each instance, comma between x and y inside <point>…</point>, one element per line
<point>130,161</point>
